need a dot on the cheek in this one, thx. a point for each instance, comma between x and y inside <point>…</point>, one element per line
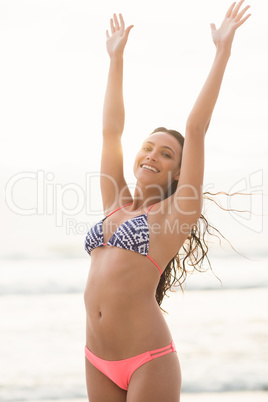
<point>136,162</point>
<point>138,158</point>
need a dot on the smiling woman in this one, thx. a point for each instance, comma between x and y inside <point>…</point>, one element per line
<point>130,354</point>
<point>160,154</point>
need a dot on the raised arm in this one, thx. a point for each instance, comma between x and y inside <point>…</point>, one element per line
<point>190,183</point>
<point>112,176</point>
<point>113,109</point>
<point>201,113</point>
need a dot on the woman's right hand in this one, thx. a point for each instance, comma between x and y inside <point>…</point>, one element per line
<point>224,35</point>
<point>116,42</point>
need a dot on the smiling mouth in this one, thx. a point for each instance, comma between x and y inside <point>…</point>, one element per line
<point>150,168</point>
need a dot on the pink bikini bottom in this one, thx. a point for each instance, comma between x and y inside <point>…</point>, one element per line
<point>120,371</point>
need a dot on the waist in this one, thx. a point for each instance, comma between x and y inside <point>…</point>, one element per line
<point>115,335</point>
<point>117,309</point>
<point>124,327</point>
<point>122,312</point>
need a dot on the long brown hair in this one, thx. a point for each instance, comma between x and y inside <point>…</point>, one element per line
<point>194,251</point>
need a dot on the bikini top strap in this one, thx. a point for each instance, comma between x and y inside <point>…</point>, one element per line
<point>126,206</point>
<point>149,209</point>
<point>118,209</point>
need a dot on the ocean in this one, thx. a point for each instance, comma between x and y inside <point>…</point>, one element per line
<point>220,330</point>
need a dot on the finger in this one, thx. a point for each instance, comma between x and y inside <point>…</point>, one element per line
<point>112,26</point>
<point>128,30</point>
<point>122,22</point>
<point>243,20</point>
<point>236,9</point>
<point>213,27</point>
<point>240,15</point>
<point>107,34</point>
<point>117,27</point>
<point>229,12</point>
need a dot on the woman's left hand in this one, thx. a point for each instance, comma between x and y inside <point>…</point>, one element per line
<point>119,35</point>
<point>223,37</point>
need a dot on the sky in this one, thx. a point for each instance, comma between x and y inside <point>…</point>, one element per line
<point>53,74</point>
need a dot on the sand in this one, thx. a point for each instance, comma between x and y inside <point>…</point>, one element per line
<point>205,397</point>
<point>226,396</point>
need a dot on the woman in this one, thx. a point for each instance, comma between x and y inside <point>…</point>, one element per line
<point>130,355</point>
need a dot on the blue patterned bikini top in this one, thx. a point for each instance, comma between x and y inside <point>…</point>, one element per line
<point>132,235</point>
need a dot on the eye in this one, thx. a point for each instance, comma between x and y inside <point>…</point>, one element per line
<point>166,155</point>
<point>146,148</point>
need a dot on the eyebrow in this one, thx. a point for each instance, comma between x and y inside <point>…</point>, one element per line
<point>162,146</point>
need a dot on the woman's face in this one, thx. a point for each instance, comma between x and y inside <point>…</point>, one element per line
<point>157,162</point>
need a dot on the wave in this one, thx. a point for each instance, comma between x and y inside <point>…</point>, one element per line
<point>28,291</point>
<point>57,276</point>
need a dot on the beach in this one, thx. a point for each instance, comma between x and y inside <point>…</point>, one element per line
<point>220,332</point>
<point>207,397</point>
<point>226,396</point>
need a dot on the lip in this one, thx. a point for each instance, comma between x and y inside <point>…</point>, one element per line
<point>151,166</point>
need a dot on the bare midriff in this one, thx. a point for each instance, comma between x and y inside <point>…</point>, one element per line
<point>123,318</point>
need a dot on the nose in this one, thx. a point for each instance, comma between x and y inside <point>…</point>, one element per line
<point>151,156</point>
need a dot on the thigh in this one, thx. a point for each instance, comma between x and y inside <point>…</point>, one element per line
<point>100,388</point>
<point>158,380</point>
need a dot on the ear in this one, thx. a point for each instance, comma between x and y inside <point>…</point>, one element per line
<point>177,176</point>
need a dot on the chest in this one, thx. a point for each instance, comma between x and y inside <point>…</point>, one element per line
<point>134,229</point>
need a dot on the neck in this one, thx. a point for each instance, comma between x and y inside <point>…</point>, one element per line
<point>146,196</point>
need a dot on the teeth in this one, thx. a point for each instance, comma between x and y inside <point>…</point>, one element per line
<point>150,168</point>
